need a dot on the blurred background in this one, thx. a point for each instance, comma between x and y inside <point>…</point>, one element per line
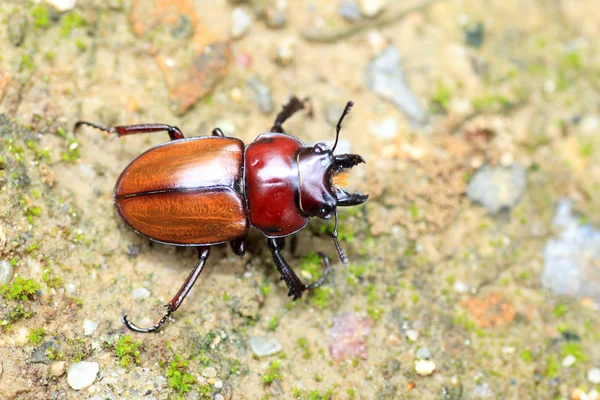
<point>474,266</point>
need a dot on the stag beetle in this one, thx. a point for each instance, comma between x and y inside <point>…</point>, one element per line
<point>208,190</point>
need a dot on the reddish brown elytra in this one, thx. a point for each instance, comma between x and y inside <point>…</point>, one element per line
<point>207,190</point>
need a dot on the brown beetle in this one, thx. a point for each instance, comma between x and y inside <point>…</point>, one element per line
<point>208,190</point>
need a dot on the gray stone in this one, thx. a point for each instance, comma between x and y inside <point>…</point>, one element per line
<point>7,272</point>
<point>497,188</point>
<point>384,76</point>
<point>261,94</point>
<point>349,11</point>
<point>571,258</point>
<point>82,374</point>
<point>423,353</point>
<point>209,372</point>
<point>140,293</point>
<point>263,346</point>
<point>39,355</point>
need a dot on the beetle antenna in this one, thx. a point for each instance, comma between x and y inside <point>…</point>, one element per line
<point>338,127</point>
<point>341,253</point>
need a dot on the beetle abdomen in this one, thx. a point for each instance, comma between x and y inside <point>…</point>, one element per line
<point>186,192</point>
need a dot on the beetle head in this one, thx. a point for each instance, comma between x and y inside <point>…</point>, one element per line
<point>317,169</point>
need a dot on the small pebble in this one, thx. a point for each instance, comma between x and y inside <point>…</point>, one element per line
<point>412,335</point>
<point>460,287</point>
<point>568,361</point>
<point>261,94</point>
<point>593,376</point>
<point>275,14</point>
<point>377,42</point>
<point>82,374</point>
<point>423,353</point>
<point>240,22</point>
<point>424,367</point>
<point>219,396</point>
<point>371,8</point>
<point>89,327</point>
<point>70,288</point>
<point>218,384</point>
<point>284,53</point>
<point>236,95</point>
<point>349,11</point>
<point>62,5</point>
<point>385,130</point>
<point>265,345</point>
<point>58,368</point>
<point>209,372</point>
<point>140,293</point>
<point>7,272</point>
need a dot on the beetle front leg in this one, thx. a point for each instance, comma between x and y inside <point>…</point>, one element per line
<point>287,273</point>
<point>203,253</point>
<point>173,131</point>
<point>291,108</point>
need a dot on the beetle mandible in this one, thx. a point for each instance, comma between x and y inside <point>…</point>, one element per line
<point>207,190</point>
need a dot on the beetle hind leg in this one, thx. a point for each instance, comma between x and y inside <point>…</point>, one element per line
<point>203,253</point>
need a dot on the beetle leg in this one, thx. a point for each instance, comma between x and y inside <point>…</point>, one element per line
<point>218,132</point>
<point>173,131</point>
<point>238,246</point>
<point>174,304</point>
<point>287,273</point>
<point>292,106</point>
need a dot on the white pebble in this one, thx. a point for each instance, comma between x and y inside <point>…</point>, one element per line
<point>265,345</point>
<point>568,361</point>
<point>89,327</point>
<point>385,130</point>
<point>70,288</point>
<point>140,293</point>
<point>209,372</point>
<point>218,384</point>
<point>240,22</point>
<point>460,287</point>
<point>82,374</point>
<point>424,367</point>
<point>593,375</point>
<point>62,5</point>
<point>370,8</point>
<point>377,42</point>
<point>412,335</point>
<point>7,272</point>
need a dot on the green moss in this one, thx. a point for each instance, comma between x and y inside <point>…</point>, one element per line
<point>441,97</point>
<point>273,373</point>
<point>311,265</point>
<point>178,377</point>
<point>80,44</point>
<point>20,289</point>
<point>559,310</point>
<point>551,367</point>
<point>128,350</point>
<point>320,296</point>
<point>37,335</point>
<point>573,349</point>
<point>265,289</point>
<point>40,16</point>
<point>527,356</point>
<point>303,345</point>
<point>351,393</point>
<point>53,281</point>
<point>273,323</point>
<point>70,22</point>
<point>72,152</point>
